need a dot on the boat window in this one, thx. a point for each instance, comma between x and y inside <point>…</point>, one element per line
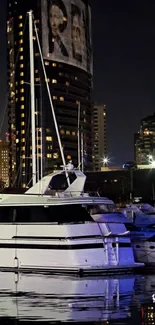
<point>71,214</point>
<point>103,208</point>
<point>131,227</point>
<point>150,228</point>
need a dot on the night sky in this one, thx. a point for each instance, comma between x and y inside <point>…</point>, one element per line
<point>124,68</point>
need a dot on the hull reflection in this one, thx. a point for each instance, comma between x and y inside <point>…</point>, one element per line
<point>46,298</point>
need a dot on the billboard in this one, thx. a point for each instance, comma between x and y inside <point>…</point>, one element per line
<point>66,32</point>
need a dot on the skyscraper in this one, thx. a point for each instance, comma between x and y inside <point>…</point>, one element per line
<point>64,28</point>
<point>99,135</point>
<point>144,141</point>
<point>4,163</point>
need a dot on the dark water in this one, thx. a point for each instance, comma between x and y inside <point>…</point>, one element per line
<point>98,300</point>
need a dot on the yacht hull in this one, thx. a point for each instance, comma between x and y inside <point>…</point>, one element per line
<point>144,252</point>
<point>64,249</point>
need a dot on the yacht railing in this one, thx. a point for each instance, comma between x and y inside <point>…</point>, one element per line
<point>62,193</point>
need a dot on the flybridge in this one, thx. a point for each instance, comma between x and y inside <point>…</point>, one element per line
<point>38,200</point>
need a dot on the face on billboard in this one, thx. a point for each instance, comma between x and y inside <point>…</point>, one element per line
<point>66,32</point>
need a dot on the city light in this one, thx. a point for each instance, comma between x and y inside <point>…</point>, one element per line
<point>151,161</point>
<point>105,161</point>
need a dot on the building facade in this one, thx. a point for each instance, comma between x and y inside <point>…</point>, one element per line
<point>4,163</point>
<point>64,29</point>
<point>144,141</point>
<point>99,135</point>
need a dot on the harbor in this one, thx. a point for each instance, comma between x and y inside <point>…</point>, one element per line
<point>77,198</point>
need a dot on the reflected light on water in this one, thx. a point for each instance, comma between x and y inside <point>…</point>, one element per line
<point>98,300</point>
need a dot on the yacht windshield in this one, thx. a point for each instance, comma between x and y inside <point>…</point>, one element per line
<point>103,208</point>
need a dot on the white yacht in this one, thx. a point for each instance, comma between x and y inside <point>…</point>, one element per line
<point>59,233</point>
<point>142,231</point>
<point>140,215</point>
<point>50,230</point>
<point>143,241</point>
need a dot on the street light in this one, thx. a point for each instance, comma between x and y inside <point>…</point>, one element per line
<point>105,161</point>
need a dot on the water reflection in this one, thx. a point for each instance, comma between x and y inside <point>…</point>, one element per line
<point>29,298</point>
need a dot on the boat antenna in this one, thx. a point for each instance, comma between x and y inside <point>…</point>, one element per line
<point>52,107</point>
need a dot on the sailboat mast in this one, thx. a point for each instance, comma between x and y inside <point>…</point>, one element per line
<point>33,131</point>
<point>79,111</point>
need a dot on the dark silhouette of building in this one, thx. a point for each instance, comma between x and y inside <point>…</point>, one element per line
<point>65,35</point>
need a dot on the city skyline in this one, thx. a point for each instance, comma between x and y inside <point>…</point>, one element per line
<point>124,69</point>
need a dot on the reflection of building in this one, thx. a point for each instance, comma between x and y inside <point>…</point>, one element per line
<point>144,141</point>
<point>99,135</point>
<point>69,78</point>
<point>148,314</point>
<point>4,163</point>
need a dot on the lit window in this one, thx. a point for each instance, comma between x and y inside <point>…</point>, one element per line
<point>21,65</point>
<point>49,155</point>
<point>64,18</point>
<point>23,139</point>
<point>21,41</point>
<point>77,102</point>
<point>22,74</point>
<point>17,140</point>
<point>54,97</point>
<point>54,81</point>
<point>20,17</point>
<point>22,99</point>
<point>22,106</point>
<point>68,132</point>
<point>20,25</point>
<point>37,54</point>
<point>23,156</point>
<point>23,148</point>
<point>73,133</point>
<point>23,132</point>
<point>22,123</point>
<point>22,115</point>
<point>48,138</point>
<point>21,57</point>
<point>69,157</point>
<point>20,33</point>
<point>21,49</point>
<point>46,63</point>
<point>62,99</point>
<point>62,132</point>
<point>54,65</point>
<point>37,79</point>
<point>67,83</point>
<point>22,90</point>
<point>36,71</point>
<point>55,156</point>
<point>21,82</point>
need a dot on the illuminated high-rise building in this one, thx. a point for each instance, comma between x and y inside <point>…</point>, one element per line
<point>64,28</point>
<point>4,163</point>
<point>99,135</point>
<point>144,141</point>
